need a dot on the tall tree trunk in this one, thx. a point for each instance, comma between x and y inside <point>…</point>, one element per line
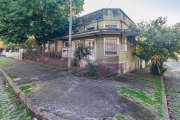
<point>43,50</point>
<point>159,71</point>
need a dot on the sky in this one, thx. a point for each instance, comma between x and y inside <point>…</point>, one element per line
<point>139,10</point>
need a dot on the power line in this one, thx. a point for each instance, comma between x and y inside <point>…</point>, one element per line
<point>109,3</point>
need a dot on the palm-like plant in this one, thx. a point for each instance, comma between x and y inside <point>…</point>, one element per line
<point>82,51</point>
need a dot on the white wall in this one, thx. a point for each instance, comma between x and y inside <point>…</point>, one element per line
<point>15,55</point>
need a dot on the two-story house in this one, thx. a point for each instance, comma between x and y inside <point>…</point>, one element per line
<point>107,32</point>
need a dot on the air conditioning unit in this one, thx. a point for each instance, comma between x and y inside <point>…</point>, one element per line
<point>65,52</point>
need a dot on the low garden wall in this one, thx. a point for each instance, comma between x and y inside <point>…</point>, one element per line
<point>15,55</point>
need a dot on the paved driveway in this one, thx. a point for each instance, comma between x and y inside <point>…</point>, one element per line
<point>79,99</point>
<point>75,98</point>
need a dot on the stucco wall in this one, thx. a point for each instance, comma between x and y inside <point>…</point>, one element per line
<point>122,56</point>
<point>104,16</point>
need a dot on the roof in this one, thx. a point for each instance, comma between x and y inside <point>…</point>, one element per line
<point>101,32</point>
<point>109,9</point>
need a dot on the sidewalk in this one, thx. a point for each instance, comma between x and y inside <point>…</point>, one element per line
<point>76,98</point>
<point>10,110</point>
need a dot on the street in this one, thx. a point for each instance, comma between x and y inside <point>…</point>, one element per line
<point>172,85</point>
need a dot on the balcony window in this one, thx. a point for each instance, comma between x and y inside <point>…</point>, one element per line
<point>111,26</point>
<point>75,31</point>
<point>90,28</point>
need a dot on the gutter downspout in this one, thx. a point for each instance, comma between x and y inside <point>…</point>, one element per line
<point>121,30</point>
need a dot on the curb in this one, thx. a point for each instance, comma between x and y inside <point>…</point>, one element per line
<point>164,106</point>
<point>27,103</point>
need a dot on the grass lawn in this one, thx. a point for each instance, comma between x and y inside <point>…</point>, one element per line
<point>148,95</point>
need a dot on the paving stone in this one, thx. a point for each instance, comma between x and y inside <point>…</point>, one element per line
<point>8,109</point>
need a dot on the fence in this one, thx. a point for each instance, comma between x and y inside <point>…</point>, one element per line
<point>105,58</point>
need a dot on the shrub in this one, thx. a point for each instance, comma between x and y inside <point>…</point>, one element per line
<point>154,69</point>
<point>82,51</point>
<point>24,55</point>
<point>93,70</point>
<point>74,70</point>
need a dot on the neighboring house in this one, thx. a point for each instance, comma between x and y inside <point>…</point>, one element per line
<point>1,44</point>
<point>1,47</point>
<point>107,32</point>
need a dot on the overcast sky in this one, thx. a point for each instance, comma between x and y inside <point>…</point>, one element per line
<point>138,10</point>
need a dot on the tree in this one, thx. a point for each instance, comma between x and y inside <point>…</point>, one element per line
<point>13,20</point>
<point>158,42</point>
<point>43,19</point>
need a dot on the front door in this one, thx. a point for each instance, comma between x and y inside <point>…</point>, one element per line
<point>91,43</point>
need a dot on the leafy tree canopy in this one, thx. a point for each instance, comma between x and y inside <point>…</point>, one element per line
<point>43,19</point>
<point>158,42</point>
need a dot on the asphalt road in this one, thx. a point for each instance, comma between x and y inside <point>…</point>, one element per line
<point>173,64</point>
<point>172,88</point>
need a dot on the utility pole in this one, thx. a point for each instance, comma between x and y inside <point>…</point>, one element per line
<point>70,37</point>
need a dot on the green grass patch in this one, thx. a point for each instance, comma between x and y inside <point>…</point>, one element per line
<point>1,61</point>
<point>26,89</point>
<point>123,117</point>
<point>118,117</point>
<point>138,94</point>
<point>141,95</point>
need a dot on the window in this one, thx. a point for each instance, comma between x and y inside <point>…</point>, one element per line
<point>125,66</point>
<point>75,31</point>
<point>111,46</point>
<point>76,45</point>
<point>90,28</point>
<point>111,26</point>
<point>66,44</point>
<point>124,42</point>
<point>91,44</point>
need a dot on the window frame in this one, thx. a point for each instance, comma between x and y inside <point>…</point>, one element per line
<point>90,27</point>
<point>66,42</point>
<point>111,24</point>
<point>124,44</point>
<point>74,45</point>
<point>77,31</point>
<point>117,46</point>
